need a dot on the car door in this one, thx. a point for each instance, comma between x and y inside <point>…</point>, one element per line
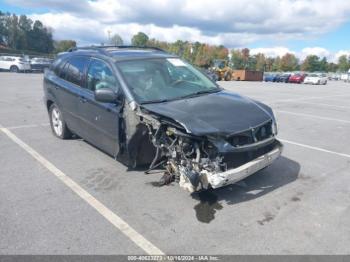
<point>6,63</point>
<point>100,121</point>
<point>68,88</point>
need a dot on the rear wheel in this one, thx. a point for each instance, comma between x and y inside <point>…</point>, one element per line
<point>14,69</point>
<point>227,76</point>
<point>58,125</point>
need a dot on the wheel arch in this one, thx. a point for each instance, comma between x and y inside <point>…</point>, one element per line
<point>48,104</point>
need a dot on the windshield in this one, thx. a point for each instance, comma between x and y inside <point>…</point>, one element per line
<point>219,64</point>
<point>163,79</point>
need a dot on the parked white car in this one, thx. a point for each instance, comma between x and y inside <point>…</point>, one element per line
<point>14,64</point>
<point>345,77</point>
<point>316,79</point>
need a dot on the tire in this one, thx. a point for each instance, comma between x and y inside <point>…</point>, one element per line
<point>325,83</point>
<point>227,76</point>
<point>14,69</point>
<point>58,125</point>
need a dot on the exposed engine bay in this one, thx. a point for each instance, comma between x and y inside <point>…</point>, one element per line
<point>200,162</point>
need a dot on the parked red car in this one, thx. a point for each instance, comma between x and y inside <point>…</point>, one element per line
<point>297,78</point>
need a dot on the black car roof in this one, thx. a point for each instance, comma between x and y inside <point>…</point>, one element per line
<point>120,53</point>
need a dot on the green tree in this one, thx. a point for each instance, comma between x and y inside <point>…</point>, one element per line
<point>332,67</point>
<point>13,34</point>
<point>252,62</point>
<point>25,26</point>
<point>22,34</point>
<point>311,64</point>
<point>323,66</point>
<point>276,66</point>
<point>41,38</point>
<point>204,57</point>
<point>116,40</point>
<point>260,62</point>
<point>343,63</point>
<point>3,28</point>
<point>245,57</point>
<point>269,64</point>
<point>177,48</point>
<point>140,39</point>
<point>159,44</point>
<point>237,59</point>
<point>64,45</point>
<point>288,62</point>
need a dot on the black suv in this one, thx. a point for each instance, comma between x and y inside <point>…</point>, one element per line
<point>149,108</point>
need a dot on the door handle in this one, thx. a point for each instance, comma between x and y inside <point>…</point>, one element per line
<point>82,99</point>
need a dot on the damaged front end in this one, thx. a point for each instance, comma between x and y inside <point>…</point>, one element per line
<point>212,160</point>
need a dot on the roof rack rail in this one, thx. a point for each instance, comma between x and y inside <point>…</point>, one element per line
<point>103,47</point>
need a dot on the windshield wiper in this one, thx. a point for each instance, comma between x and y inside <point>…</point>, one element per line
<point>201,92</point>
<point>155,101</point>
<point>182,97</point>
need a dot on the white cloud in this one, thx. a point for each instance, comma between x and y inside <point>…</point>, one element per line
<point>319,51</point>
<point>232,23</point>
<point>340,53</point>
<point>91,31</point>
<point>272,51</point>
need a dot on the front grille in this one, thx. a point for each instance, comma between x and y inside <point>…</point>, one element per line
<point>236,159</point>
<point>251,136</point>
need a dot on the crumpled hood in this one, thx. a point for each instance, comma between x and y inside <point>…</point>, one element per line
<point>221,113</point>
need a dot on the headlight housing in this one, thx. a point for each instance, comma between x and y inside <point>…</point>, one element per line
<point>274,127</point>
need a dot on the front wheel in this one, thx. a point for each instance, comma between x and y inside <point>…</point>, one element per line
<point>58,125</point>
<point>14,69</point>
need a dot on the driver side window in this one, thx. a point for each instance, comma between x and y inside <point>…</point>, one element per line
<point>99,76</point>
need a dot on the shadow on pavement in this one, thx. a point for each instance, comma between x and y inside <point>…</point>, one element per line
<point>280,173</point>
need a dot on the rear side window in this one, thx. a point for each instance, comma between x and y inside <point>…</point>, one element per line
<point>73,70</point>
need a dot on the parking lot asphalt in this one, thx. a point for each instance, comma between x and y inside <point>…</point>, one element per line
<point>298,205</point>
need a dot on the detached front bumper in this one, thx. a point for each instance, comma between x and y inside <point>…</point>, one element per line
<point>234,175</point>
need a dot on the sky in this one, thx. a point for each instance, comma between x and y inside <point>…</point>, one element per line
<point>273,27</point>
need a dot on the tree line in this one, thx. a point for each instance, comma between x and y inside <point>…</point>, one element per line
<point>22,33</point>
<point>203,55</point>
<point>241,59</point>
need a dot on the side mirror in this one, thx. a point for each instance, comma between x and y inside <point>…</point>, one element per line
<point>105,95</point>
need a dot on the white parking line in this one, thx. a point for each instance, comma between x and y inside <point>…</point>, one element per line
<point>313,116</point>
<point>315,148</point>
<point>118,222</point>
<point>319,104</point>
<point>310,98</point>
<point>27,126</point>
